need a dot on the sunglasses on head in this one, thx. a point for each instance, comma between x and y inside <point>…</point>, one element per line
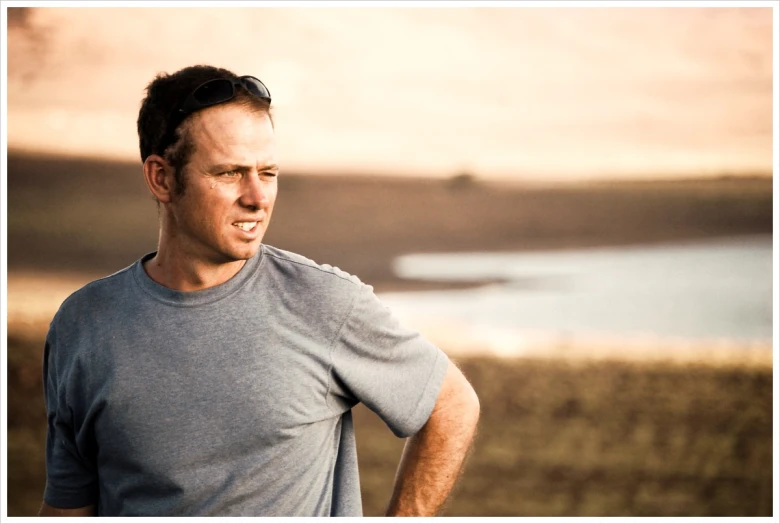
<point>209,94</point>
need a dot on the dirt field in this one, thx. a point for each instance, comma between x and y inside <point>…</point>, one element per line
<point>94,216</point>
<point>557,437</point>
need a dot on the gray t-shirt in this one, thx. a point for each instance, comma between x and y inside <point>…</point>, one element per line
<point>234,400</point>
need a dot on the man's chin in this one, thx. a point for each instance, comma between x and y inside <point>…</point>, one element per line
<point>246,252</point>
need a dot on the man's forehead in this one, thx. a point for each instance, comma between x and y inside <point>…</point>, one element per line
<point>231,118</point>
<point>233,135</point>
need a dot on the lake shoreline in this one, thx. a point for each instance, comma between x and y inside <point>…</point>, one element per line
<point>35,296</point>
<point>19,276</point>
<point>72,220</point>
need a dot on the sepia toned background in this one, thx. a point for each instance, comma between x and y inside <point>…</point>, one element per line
<point>575,204</point>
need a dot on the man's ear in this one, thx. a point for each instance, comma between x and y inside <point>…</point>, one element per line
<point>159,176</point>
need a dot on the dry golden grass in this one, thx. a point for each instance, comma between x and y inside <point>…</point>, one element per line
<point>603,438</point>
<point>556,437</point>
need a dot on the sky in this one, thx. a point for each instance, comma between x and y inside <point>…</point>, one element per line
<point>511,93</point>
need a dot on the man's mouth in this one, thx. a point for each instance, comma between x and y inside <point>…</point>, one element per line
<point>246,226</point>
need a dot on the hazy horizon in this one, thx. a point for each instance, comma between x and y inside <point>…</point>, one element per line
<point>546,93</point>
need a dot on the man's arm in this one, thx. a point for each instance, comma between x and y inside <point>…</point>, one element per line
<point>432,459</point>
<point>50,511</point>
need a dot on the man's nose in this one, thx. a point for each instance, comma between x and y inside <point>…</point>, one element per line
<point>254,193</point>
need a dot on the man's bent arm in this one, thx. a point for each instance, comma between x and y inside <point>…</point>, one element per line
<point>432,459</point>
<point>50,511</point>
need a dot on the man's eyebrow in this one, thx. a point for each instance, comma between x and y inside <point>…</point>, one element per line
<point>218,168</point>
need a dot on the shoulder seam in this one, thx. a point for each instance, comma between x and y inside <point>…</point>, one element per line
<point>112,275</point>
<point>312,266</point>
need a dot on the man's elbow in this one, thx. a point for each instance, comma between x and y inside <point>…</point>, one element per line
<point>471,407</point>
<point>457,402</point>
<point>467,397</point>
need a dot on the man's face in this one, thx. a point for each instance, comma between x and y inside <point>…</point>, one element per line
<point>230,184</point>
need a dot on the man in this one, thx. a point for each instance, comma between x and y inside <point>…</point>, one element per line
<point>216,375</point>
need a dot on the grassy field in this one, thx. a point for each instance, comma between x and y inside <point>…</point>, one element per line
<point>555,439</point>
<point>557,436</point>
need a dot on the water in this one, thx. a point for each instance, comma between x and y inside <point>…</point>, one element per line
<point>714,290</point>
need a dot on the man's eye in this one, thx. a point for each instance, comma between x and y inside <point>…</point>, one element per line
<point>231,173</point>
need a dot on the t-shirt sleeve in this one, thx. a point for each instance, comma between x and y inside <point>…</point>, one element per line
<point>71,479</point>
<point>391,369</point>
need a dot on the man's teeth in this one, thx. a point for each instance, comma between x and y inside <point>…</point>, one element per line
<point>246,226</point>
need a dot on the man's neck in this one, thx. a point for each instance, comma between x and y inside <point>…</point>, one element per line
<point>183,273</point>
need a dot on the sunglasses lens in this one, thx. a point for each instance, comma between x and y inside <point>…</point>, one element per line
<point>214,92</point>
<point>256,87</point>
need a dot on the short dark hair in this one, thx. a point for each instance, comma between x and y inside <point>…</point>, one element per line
<point>163,94</point>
